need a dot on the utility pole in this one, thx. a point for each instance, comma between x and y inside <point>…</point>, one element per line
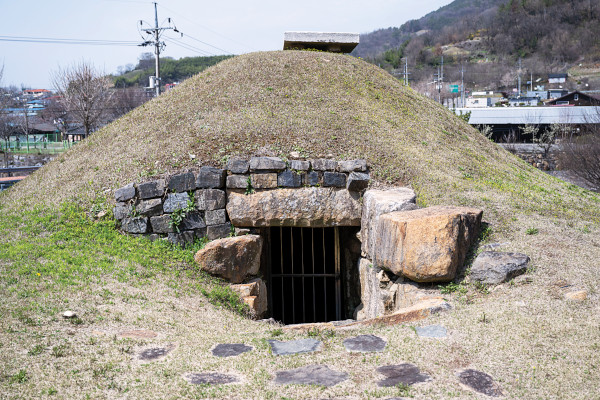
<point>462,85</point>
<point>405,72</point>
<point>519,87</point>
<point>152,38</point>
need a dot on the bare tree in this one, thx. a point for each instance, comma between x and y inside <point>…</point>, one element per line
<point>84,92</point>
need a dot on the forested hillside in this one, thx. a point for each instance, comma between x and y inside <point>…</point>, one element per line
<point>489,36</point>
<point>171,70</point>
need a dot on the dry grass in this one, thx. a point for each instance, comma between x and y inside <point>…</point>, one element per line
<point>536,344</point>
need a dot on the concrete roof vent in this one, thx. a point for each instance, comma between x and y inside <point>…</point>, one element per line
<point>335,42</point>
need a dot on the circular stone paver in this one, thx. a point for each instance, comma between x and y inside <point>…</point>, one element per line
<point>364,343</point>
<point>310,375</point>
<point>480,382</point>
<point>432,331</point>
<point>294,346</point>
<point>154,353</point>
<point>230,349</point>
<point>211,378</point>
<point>407,374</point>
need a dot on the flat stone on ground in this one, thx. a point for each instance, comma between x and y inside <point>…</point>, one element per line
<point>211,378</point>
<point>479,382</point>
<point>137,334</point>
<point>154,353</point>
<point>492,268</point>
<point>432,331</point>
<point>407,374</point>
<point>230,349</point>
<point>320,375</point>
<point>364,343</point>
<point>294,346</point>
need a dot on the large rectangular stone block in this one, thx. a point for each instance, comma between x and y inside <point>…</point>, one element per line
<point>210,199</point>
<point>125,193</point>
<point>426,245</point>
<point>308,207</point>
<point>267,164</point>
<point>148,190</point>
<point>264,181</point>
<point>377,203</point>
<point>210,178</point>
<point>182,182</point>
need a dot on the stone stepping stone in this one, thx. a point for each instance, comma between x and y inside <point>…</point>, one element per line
<point>230,349</point>
<point>316,374</point>
<point>432,331</point>
<point>154,353</point>
<point>294,346</point>
<point>479,382</point>
<point>211,378</point>
<point>137,334</point>
<point>407,374</point>
<point>365,344</point>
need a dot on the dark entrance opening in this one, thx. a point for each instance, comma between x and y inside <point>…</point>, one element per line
<point>304,275</point>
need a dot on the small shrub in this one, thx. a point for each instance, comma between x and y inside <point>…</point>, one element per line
<point>19,377</point>
<point>225,297</point>
<point>59,351</point>
<point>532,231</point>
<point>37,349</point>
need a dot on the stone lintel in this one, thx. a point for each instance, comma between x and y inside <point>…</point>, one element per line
<point>337,42</point>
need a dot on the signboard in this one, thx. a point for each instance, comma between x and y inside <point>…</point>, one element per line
<point>453,88</point>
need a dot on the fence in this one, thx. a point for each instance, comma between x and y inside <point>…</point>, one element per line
<point>36,147</point>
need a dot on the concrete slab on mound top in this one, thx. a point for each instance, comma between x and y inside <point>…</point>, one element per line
<point>294,346</point>
<point>320,375</point>
<point>338,42</point>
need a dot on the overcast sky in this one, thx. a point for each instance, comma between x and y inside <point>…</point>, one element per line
<point>231,27</point>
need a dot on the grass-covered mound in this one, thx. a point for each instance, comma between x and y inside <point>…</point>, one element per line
<point>525,334</point>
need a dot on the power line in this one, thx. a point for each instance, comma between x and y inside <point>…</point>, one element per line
<point>210,30</point>
<point>188,47</point>
<point>92,42</point>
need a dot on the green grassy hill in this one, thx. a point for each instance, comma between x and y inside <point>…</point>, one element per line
<point>534,342</point>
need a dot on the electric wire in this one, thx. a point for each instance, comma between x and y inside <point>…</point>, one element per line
<point>91,42</point>
<point>188,47</point>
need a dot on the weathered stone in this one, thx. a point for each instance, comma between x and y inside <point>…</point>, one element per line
<point>294,346</point>
<point>211,378</point>
<point>230,349</point>
<point>231,258</point>
<point>479,382</point>
<point>237,181</point>
<point>298,165</point>
<point>210,199</point>
<point>264,181</point>
<point>125,193</point>
<point>417,312</point>
<point>267,164</point>
<point>372,296</point>
<point>578,295</point>
<point>153,237</point>
<point>406,374</point>
<point>148,190</point>
<point>176,201</point>
<point>407,294</point>
<point>377,203</point>
<point>254,294</point>
<point>238,165</point>
<point>150,207</point>
<point>365,344</point>
<point>322,164</point>
<point>311,178</point>
<point>431,331</point>
<point>200,233</point>
<point>154,353</point>
<point>69,314</point>
<point>218,231</point>
<point>135,225</point>
<point>191,222</point>
<point>242,231</point>
<point>334,179</point>
<point>216,217</point>
<point>426,245</point>
<point>289,178</point>
<point>320,375</point>
<point>352,165</point>
<point>492,268</point>
<point>182,182</point>
<point>122,210</point>
<point>161,224</point>
<point>183,239</point>
<point>357,181</point>
<point>211,178</point>
<point>307,207</point>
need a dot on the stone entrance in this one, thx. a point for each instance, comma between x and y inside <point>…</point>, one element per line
<point>304,274</point>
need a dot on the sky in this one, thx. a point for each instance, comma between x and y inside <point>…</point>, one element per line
<point>209,28</point>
